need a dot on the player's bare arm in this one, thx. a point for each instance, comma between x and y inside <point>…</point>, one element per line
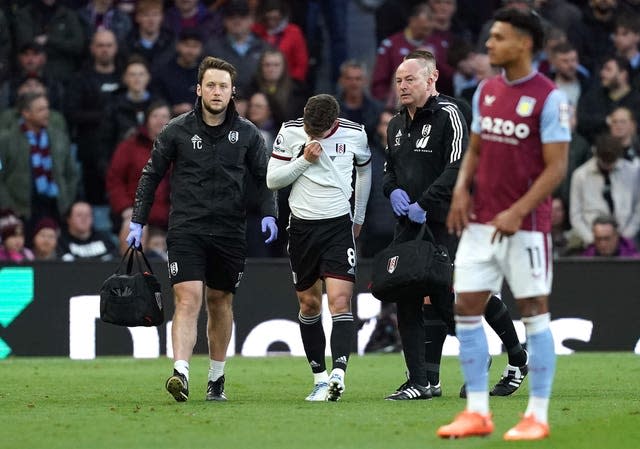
<point>461,210</point>
<point>555,155</point>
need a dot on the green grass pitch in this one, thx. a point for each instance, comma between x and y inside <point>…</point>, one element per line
<point>121,403</point>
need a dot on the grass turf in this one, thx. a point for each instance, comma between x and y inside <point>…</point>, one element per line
<point>121,403</point>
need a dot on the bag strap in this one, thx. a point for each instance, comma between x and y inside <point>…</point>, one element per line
<point>126,256</point>
<point>424,229</point>
<point>130,254</point>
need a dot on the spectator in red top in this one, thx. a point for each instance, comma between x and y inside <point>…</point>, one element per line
<point>126,166</point>
<point>275,29</point>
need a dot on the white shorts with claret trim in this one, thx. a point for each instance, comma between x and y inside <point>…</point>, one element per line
<point>523,259</point>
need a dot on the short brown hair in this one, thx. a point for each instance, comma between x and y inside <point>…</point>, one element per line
<point>217,64</point>
<point>320,112</point>
<point>608,148</point>
<point>146,5</point>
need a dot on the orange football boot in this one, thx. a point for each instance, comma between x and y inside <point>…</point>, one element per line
<point>528,429</point>
<point>467,424</point>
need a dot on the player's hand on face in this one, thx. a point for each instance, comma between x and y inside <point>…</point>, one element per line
<point>460,211</point>
<point>507,223</point>
<point>312,151</point>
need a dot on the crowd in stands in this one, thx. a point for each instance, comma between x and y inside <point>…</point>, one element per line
<point>86,86</point>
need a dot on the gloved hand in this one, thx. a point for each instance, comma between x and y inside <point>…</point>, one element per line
<point>399,202</point>
<point>416,213</point>
<point>135,234</point>
<point>270,224</point>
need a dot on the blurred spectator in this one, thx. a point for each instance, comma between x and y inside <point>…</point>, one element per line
<point>626,39</point>
<point>58,29</point>
<point>126,112</point>
<point>87,100</point>
<point>239,45</point>
<point>446,20</point>
<point>419,34</point>
<point>38,176</point>
<point>259,113</point>
<point>553,36</point>
<point>334,18</point>
<point>125,169</point>
<point>461,56</point>
<point>482,69</point>
<point>80,241</point>
<point>607,241</point>
<point>274,28</point>
<point>31,61</point>
<point>149,38</point>
<point>11,116</point>
<point>579,152</point>
<point>565,242</point>
<point>287,95</point>
<point>355,103</point>
<point>592,36</point>
<point>45,239</point>
<point>193,14</point>
<point>377,231</point>
<point>623,126</point>
<point>567,73</point>
<point>12,239</point>
<point>154,242</point>
<point>605,184</point>
<point>612,91</point>
<point>560,13</point>
<point>6,50</point>
<point>102,14</point>
<point>176,80</point>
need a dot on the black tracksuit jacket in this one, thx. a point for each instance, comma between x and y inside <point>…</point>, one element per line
<point>210,170</point>
<point>424,155</point>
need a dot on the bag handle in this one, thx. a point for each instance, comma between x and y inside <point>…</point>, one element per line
<point>129,255</point>
<point>424,229</point>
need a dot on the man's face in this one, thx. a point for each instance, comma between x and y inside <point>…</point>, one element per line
<point>215,90</point>
<point>32,61</point>
<point>621,124</point>
<point>80,220</point>
<point>238,25</point>
<point>605,239</point>
<point>443,9</point>
<point>37,115</point>
<point>136,77</point>
<point>566,64</point>
<point>610,75</point>
<point>352,80</point>
<point>421,26</point>
<point>104,47</point>
<point>149,21</point>
<point>272,67</point>
<point>157,119</point>
<point>189,51</point>
<point>557,212</point>
<point>625,39</point>
<point>505,44</point>
<point>413,84</point>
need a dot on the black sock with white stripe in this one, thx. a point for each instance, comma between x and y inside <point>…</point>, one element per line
<point>497,315</point>
<point>313,341</point>
<point>435,334</point>
<point>341,339</point>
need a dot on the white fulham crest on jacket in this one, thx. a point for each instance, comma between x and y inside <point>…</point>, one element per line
<point>233,136</point>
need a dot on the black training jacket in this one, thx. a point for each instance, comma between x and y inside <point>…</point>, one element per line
<point>210,167</point>
<point>423,156</point>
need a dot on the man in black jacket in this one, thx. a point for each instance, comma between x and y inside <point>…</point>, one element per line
<point>212,151</point>
<point>425,143</point>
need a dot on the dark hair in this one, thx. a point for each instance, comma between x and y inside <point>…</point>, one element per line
<point>608,148</point>
<point>622,63</point>
<point>629,22</point>
<point>24,101</point>
<point>526,21</point>
<point>320,112</point>
<point>156,104</point>
<point>217,64</point>
<point>562,48</point>
<point>605,219</point>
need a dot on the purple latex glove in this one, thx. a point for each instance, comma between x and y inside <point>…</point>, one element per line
<point>269,223</point>
<point>399,202</point>
<point>135,234</point>
<point>416,213</point>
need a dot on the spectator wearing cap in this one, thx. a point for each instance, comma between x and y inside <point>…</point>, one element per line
<point>103,14</point>
<point>45,239</point>
<point>274,28</point>
<point>193,14</point>
<point>58,29</point>
<point>239,45</point>
<point>149,38</point>
<point>31,61</point>
<point>38,176</point>
<point>607,241</point>
<point>176,81</point>
<point>12,248</point>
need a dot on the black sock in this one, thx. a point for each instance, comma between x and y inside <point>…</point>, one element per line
<point>411,327</point>
<point>435,334</point>
<point>497,315</point>
<point>313,341</point>
<point>341,339</point>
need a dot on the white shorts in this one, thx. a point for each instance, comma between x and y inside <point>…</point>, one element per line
<point>524,259</point>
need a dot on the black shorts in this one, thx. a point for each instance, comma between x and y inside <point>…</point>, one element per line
<point>218,261</point>
<point>321,248</point>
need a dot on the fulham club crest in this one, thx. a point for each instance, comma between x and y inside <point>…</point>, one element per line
<point>341,148</point>
<point>233,136</point>
<point>392,263</point>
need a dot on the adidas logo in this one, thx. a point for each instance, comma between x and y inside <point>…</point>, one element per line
<point>314,364</point>
<point>196,141</point>
<point>341,359</point>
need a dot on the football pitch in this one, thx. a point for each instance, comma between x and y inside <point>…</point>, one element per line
<point>121,403</point>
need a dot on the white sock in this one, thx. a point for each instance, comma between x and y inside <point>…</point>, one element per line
<point>338,371</point>
<point>478,401</point>
<point>538,407</point>
<point>216,369</point>
<point>182,366</point>
<point>320,377</point>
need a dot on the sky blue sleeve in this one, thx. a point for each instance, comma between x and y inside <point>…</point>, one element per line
<point>475,110</point>
<point>554,120</point>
